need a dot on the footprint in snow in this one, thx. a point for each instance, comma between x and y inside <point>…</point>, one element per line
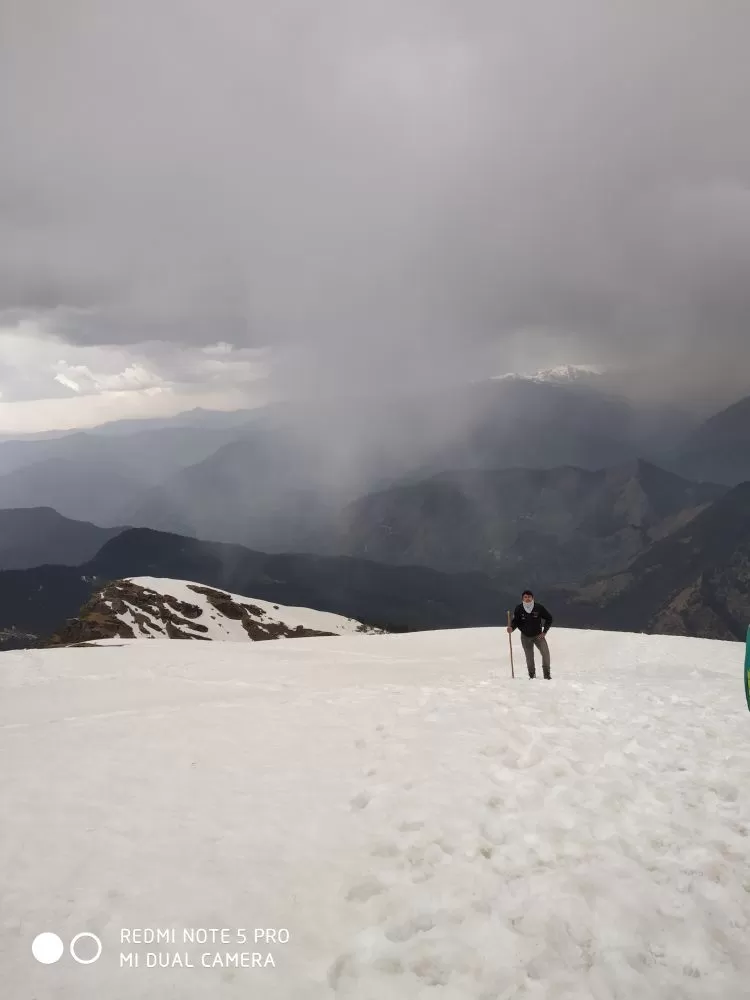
<point>432,971</point>
<point>365,890</point>
<point>384,850</point>
<point>404,932</point>
<point>411,826</point>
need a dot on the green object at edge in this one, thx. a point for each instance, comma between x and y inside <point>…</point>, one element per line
<point>747,668</point>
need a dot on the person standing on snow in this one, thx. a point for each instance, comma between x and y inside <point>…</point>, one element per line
<point>534,621</point>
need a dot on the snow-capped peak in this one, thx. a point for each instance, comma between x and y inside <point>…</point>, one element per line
<point>560,373</point>
<point>567,373</point>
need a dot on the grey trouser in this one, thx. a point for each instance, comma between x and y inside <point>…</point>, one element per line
<point>528,643</point>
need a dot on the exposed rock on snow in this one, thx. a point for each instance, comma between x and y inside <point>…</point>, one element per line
<point>150,608</point>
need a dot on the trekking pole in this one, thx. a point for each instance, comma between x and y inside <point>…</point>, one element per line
<point>510,644</point>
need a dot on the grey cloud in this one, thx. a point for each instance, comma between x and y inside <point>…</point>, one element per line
<point>383,190</point>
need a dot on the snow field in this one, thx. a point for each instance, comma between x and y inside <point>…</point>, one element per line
<point>423,825</point>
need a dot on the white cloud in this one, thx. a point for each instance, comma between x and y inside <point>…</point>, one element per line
<point>67,382</point>
<point>48,384</point>
<point>80,378</point>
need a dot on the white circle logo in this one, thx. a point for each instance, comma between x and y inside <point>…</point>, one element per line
<point>79,937</point>
<point>47,948</point>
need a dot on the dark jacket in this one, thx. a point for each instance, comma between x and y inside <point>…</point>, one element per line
<point>536,622</point>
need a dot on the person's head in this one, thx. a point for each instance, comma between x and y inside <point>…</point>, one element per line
<point>528,599</point>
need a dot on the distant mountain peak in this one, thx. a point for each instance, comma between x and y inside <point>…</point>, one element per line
<point>719,449</point>
<point>568,373</point>
<point>560,373</point>
<point>638,467</point>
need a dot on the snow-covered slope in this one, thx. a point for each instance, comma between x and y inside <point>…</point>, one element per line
<point>147,607</point>
<point>422,825</point>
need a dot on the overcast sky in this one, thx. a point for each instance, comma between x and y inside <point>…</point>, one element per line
<point>342,192</point>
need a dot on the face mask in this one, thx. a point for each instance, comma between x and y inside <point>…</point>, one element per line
<point>528,606</point>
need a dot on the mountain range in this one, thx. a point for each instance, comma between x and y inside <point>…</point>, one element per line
<point>695,581</point>
<point>719,448</point>
<point>437,527</point>
<point>39,601</point>
<point>101,477</point>
<point>276,477</point>
<point>284,484</point>
<point>38,535</point>
<point>558,526</point>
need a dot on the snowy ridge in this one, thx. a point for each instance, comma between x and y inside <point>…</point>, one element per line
<point>222,627</point>
<point>424,825</point>
<point>150,608</point>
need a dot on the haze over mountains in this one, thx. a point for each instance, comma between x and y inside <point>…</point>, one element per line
<point>100,476</point>
<point>40,535</point>
<point>559,526</point>
<point>206,479</point>
<point>516,481</point>
<point>719,448</point>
